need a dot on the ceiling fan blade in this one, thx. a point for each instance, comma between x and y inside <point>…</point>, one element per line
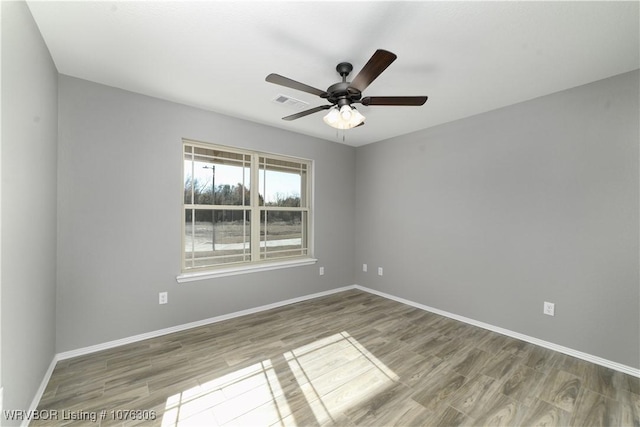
<point>287,82</point>
<point>394,100</point>
<point>307,112</point>
<point>379,62</point>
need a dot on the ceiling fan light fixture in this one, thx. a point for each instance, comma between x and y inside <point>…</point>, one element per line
<point>356,118</point>
<point>344,118</point>
<point>345,113</point>
<point>332,118</point>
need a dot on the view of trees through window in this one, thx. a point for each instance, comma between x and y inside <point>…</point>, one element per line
<point>219,209</point>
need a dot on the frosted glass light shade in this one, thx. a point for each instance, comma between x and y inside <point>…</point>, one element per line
<point>346,117</point>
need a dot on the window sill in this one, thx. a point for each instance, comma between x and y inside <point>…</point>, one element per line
<point>243,269</point>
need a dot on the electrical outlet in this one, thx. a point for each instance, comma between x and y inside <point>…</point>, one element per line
<point>549,309</point>
<point>364,267</point>
<point>163,297</point>
<point>379,271</point>
<point>322,271</point>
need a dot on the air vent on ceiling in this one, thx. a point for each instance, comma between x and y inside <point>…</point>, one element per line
<point>289,101</point>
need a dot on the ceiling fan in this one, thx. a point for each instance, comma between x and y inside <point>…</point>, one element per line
<point>342,95</point>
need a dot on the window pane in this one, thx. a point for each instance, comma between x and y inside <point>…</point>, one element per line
<point>282,183</point>
<point>214,237</point>
<point>188,182</point>
<point>282,234</point>
<point>216,177</point>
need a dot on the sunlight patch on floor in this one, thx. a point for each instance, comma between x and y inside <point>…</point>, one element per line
<point>337,373</point>
<point>322,378</point>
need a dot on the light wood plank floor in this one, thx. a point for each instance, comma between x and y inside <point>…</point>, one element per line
<point>349,359</point>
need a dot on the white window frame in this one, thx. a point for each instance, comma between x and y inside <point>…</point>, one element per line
<point>255,264</point>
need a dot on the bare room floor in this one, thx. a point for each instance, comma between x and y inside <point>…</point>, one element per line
<point>348,359</point>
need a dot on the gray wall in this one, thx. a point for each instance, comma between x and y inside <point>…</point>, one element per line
<point>119,215</point>
<point>490,216</point>
<point>29,132</point>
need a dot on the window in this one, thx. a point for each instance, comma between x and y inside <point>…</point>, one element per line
<point>243,207</point>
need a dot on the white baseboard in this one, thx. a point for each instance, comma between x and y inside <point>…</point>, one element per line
<point>546,344</point>
<point>43,385</point>
<point>116,343</point>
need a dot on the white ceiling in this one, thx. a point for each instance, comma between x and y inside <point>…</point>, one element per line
<point>468,57</point>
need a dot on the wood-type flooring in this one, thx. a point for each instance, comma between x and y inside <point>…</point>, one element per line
<point>348,359</point>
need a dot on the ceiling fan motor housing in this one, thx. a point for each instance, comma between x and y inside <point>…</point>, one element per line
<point>341,93</point>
